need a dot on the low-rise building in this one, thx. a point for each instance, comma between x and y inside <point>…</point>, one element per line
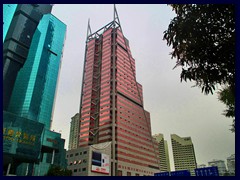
<point>91,160</point>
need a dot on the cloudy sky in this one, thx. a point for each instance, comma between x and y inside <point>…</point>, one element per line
<point>175,107</point>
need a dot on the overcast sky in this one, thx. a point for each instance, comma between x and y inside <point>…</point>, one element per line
<point>175,107</point>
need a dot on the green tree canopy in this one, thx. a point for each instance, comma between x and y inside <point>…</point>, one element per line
<point>202,37</point>
<point>58,171</point>
<point>203,41</point>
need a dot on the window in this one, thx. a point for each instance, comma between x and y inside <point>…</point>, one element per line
<point>119,173</point>
<point>85,152</point>
<point>83,169</point>
<point>76,154</point>
<point>75,170</point>
<point>128,174</point>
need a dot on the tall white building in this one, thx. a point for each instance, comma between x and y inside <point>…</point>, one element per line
<point>74,128</point>
<point>183,153</point>
<point>220,164</point>
<point>163,153</point>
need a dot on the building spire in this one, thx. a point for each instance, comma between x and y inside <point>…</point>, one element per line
<point>89,31</point>
<point>115,17</point>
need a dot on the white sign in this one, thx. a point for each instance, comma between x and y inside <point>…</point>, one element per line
<point>100,162</point>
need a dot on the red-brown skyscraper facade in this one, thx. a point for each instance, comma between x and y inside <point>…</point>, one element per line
<point>111,107</point>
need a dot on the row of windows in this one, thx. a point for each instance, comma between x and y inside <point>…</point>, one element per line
<point>134,169</point>
<point>126,84</point>
<point>122,133</point>
<point>129,128</point>
<point>144,144</point>
<point>123,70</point>
<point>122,101</point>
<point>107,33</point>
<point>76,154</point>
<point>130,97</point>
<point>80,169</point>
<point>89,65</point>
<point>128,100</point>
<point>77,162</point>
<point>136,158</point>
<point>134,121</point>
<point>121,53</point>
<point>124,63</point>
<point>139,148</point>
<point>106,54</point>
<point>120,39</point>
<point>133,162</point>
<point>106,58</point>
<point>123,56</point>
<point>127,70</point>
<point>129,105</point>
<point>106,51</point>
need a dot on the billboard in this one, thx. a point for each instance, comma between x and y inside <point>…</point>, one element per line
<point>100,163</point>
<point>207,171</point>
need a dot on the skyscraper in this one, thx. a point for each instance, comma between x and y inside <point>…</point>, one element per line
<point>74,128</point>
<point>111,107</point>
<point>8,13</point>
<point>34,91</point>
<point>183,153</point>
<point>30,147</point>
<point>163,153</point>
<point>19,24</point>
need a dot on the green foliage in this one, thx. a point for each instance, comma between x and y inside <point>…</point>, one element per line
<point>227,97</point>
<point>202,37</point>
<point>58,171</point>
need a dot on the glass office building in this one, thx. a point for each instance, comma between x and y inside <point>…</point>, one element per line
<point>32,100</point>
<point>8,12</point>
<point>34,90</point>
<point>19,24</point>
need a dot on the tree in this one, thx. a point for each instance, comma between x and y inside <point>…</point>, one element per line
<point>58,171</point>
<point>202,37</point>
<point>225,95</point>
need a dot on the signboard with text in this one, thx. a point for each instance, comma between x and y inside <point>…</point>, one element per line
<point>21,136</point>
<point>100,162</point>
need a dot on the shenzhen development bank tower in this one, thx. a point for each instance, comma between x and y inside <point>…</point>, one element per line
<point>111,107</point>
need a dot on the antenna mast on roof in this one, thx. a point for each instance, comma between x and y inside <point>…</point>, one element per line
<point>116,18</point>
<point>89,31</point>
